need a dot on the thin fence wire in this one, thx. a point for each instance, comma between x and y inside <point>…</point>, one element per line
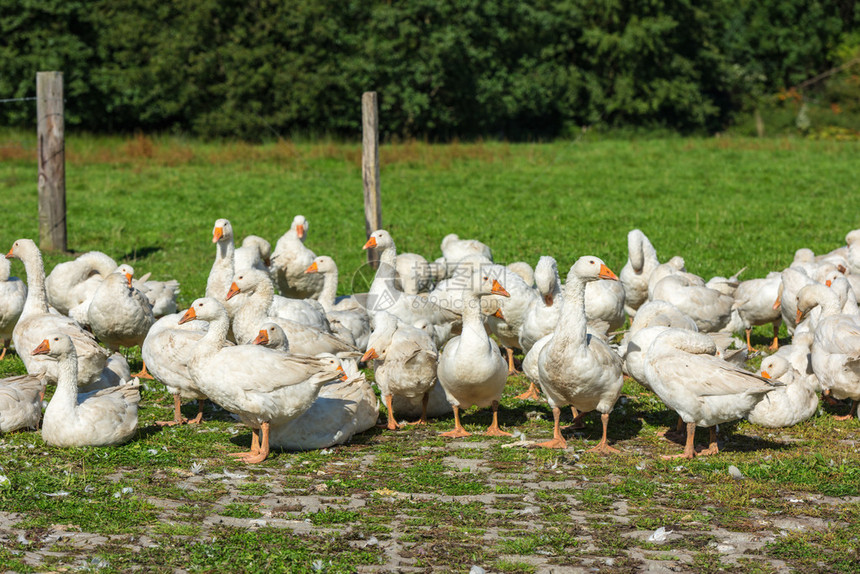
<point>7,100</point>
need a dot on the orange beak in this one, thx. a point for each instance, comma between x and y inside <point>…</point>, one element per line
<point>217,234</point>
<point>128,278</point>
<point>9,255</point>
<point>370,354</point>
<point>765,374</point>
<point>343,376</point>
<point>300,231</point>
<point>548,300</point>
<point>777,303</point>
<point>370,243</point>
<point>234,290</point>
<point>606,273</point>
<point>189,315</point>
<point>498,314</point>
<point>799,316</point>
<point>43,348</point>
<point>262,338</point>
<point>313,268</point>
<point>498,289</point>
<point>828,282</point>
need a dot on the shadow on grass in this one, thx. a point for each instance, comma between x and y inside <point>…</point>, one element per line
<point>140,253</point>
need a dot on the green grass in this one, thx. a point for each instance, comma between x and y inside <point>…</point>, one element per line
<point>722,203</point>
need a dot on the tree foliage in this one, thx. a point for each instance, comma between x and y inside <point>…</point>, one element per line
<point>443,68</point>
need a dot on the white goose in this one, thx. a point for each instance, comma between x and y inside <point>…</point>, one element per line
<point>289,261</point>
<point>542,316</point>
<point>13,293</point>
<point>99,418</point>
<point>455,249</point>
<point>511,311</point>
<point>20,402</point>
<point>704,390</point>
<point>37,323</point>
<point>413,273</point>
<point>161,294</point>
<point>254,293</point>
<point>73,282</point>
<point>342,409</point>
<point>785,406</point>
<point>166,352</point>
<point>641,262</point>
<point>119,314</point>
<point>836,345</point>
<point>262,386</point>
<point>408,366</point>
<point>756,304</point>
<point>471,369</point>
<point>574,367</point>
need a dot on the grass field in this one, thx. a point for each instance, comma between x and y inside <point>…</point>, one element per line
<point>409,500</point>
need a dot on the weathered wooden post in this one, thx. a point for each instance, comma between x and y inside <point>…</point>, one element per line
<point>52,161</point>
<point>370,169</point>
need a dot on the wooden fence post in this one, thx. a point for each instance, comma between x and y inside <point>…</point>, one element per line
<point>52,161</point>
<point>370,169</point>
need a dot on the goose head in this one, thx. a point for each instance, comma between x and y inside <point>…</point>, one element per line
<point>384,326</point>
<point>222,231</point>
<point>322,264</point>
<point>204,309</point>
<point>773,367</point>
<point>814,295</point>
<point>379,239</point>
<point>55,346</point>
<point>22,248</point>
<point>124,271</point>
<point>483,283</point>
<point>590,268</point>
<point>247,282</point>
<point>272,336</point>
<point>299,226</point>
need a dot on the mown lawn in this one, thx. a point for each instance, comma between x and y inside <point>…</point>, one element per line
<point>409,499</point>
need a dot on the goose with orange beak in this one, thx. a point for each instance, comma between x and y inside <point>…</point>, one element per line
<point>575,368</point>
<point>221,274</point>
<point>264,387</point>
<point>346,313</point>
<point>471,368</point>
<point>102,418</point>
<point>408,366</point>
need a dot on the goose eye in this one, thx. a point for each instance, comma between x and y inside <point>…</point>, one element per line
<point>591,261</point>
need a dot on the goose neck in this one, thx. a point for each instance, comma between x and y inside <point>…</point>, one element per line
<point>37,297</point>
<point>329,291</point>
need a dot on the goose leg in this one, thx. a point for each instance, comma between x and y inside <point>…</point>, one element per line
<point>177,413</point>
<point>712,447</point>
<point>827,396</point>
<point>851,414</point>
<point>533,393</point>
<point>196,420</point>
<point>143,374</point>
<point>3,354</point>
<point>775,345</point>
<point>603,446</point>
<point>392,424</point>
<point>512,370</point>
<point>262,448</point>
<point>494,429</point>
<point>458,431</point>
<point>689,449</point>
<point>255,446</point>
<point>424,400</point>
<point>749,345</point>
<point>578,423</point>
<point>557,440</point>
